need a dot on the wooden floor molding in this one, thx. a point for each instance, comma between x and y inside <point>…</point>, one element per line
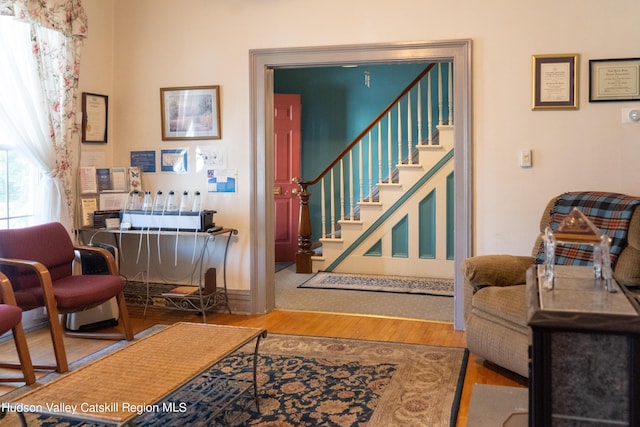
<point>377,328</point>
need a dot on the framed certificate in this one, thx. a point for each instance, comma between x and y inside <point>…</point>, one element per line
<point>94,117</point>
<point>614,80</point>
<point>555,80</point>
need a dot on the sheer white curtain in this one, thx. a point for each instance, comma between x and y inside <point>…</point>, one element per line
<point>40,44</point>
<point>24,120</point>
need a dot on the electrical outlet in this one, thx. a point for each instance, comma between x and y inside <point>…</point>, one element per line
<point>525,159</point>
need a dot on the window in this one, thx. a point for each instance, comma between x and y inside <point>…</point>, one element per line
<point>33,93</point>
<point>18,189</point>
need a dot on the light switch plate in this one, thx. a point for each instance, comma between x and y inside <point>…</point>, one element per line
<point>525,159</point>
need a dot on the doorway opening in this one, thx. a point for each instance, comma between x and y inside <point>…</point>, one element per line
<point>262,66</point>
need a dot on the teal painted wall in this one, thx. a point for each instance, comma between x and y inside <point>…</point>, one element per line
<point>375,250</point>
<point>336,107</point>
<point>450,216</point>
<point>427,226</point>
<point>400,238</point>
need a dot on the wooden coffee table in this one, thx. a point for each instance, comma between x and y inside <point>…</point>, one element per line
<point>119,387</point>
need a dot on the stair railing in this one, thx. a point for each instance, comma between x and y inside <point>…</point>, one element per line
<point>352,186</point>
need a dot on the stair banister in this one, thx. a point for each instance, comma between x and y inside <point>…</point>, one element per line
<point>409,129</point>
<point>303,256</point>
<point>389,147</point>
<point>440,119</point>
<point>419,114</point>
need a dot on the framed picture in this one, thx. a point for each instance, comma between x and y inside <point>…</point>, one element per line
<point>94,117</point>
<point>190,112</point>
<point>88,205</point>
<point>175,160</point>
<point>555,82</point>
<point>614,80</point>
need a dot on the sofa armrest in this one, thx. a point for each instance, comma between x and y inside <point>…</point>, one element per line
<point>492,270</point>
<point>496,270</point>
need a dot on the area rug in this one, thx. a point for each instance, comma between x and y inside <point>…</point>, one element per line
<point>313,381</point>
<point>376,283</point>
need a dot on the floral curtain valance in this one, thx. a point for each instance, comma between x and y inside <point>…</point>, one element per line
<point>66,16</point>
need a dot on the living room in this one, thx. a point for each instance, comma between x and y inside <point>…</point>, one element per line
<point>135,48</point>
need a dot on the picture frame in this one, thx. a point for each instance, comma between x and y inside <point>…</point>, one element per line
<point>190,113</point>
<point>95,115</point>
<point>555,81</point>
<point>88,205</point>
<point>613,80</point>
<point>174,160</point>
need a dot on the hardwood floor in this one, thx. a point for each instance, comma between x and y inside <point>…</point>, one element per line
<point>290,322</point>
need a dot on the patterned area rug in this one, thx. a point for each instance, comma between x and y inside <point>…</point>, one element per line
<point>312,381</point>
<point>396,284</point>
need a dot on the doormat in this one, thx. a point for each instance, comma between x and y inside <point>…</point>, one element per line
<point>377,283</point>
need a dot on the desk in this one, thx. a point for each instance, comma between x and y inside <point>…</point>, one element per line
<point>585,353</point>
<point>206,297</point>
<point>146,372</point>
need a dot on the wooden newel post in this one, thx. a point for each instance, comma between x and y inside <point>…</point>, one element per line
<point>303,256</point>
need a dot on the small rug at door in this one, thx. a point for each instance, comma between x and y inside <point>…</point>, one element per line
<point>312,381</point>
<point>375,283</point>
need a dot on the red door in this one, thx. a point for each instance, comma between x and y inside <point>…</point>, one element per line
<point>287,166</point>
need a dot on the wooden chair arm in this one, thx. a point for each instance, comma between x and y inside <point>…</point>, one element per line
<point>39,268</point>
<point>108,257</point>
<point>43,276</point>
<point>7,295</point>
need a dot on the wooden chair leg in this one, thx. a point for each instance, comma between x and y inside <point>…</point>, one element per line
<point>124,317</point>
<point>19,338</point>
<point>23,354</point>
<point>57,335</point>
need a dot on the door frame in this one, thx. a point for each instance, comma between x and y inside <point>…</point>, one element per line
<point>262,63</point>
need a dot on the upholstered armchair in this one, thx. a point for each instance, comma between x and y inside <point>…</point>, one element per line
<point>11,320</point>
<point>494,285</point>
<point>38,261</point>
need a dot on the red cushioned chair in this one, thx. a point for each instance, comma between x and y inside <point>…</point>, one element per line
<point>11,320</point>
<point>38,261</point>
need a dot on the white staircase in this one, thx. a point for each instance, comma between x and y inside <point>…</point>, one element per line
<point>366,244</point>
<point>384,205</point>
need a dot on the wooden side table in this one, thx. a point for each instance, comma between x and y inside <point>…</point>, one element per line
<point>585,351</point>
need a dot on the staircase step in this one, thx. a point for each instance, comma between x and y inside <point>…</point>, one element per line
<point>369,211</point>
<point>389,193</point>
<point>409,174</point>
<point>332,248</point>
<point>350,229</point>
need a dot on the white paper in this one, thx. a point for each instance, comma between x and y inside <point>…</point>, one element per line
<point>113,201</point>
<point>88,182</point>
<point>118,179</point>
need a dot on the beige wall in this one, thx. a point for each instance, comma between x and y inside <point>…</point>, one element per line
<point>136,47</point>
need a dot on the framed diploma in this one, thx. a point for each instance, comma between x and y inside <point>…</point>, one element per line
<point>614,80</point>
<point>555,82</point>
<point>94,117</point>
